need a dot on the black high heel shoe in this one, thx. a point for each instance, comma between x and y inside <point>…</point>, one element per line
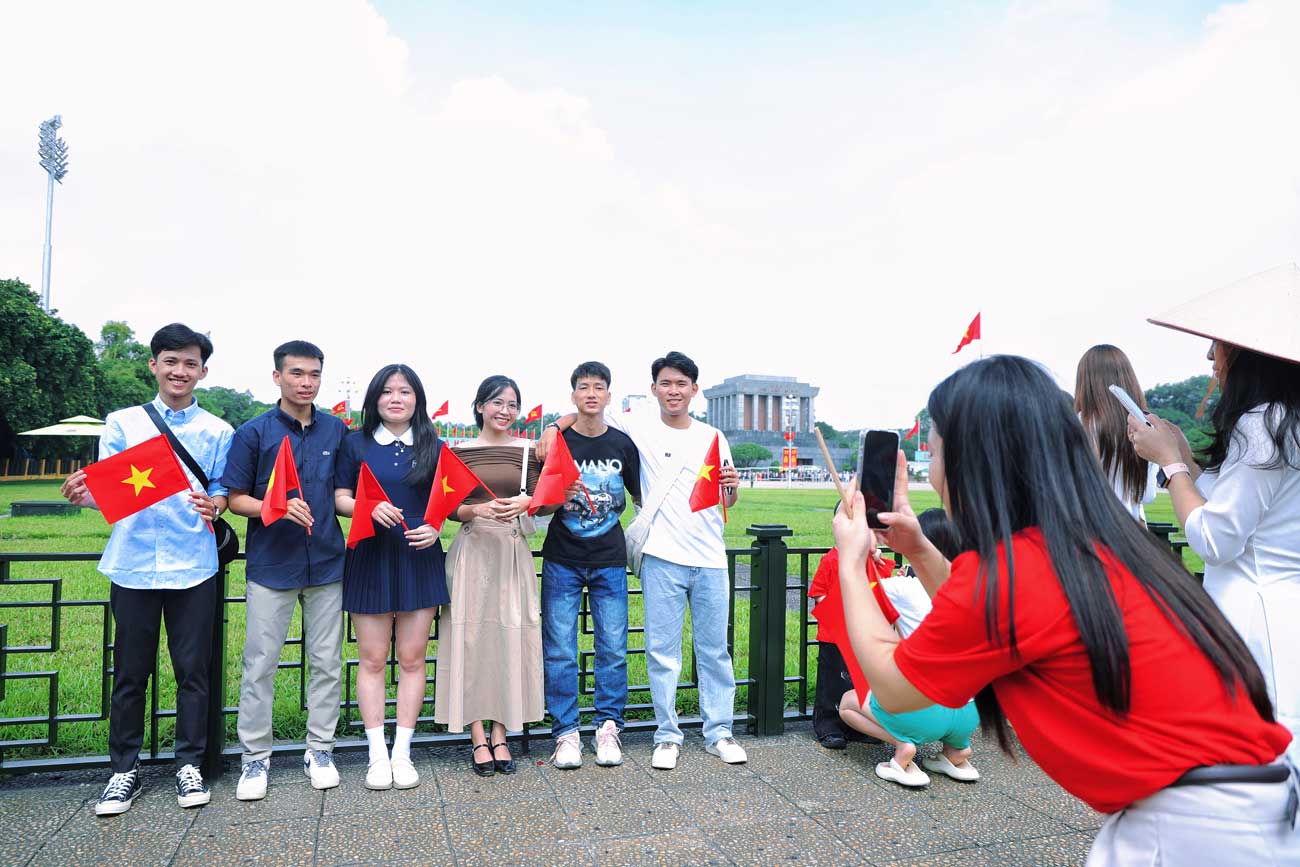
<point>503,766</point>
<point>483,769</point>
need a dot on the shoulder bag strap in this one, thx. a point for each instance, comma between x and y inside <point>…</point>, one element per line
<point>660,492</point>
<point>181,452</point>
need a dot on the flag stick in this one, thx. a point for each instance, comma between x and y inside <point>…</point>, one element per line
<point>830,464</point>
<point>587,494</point>
<point>722,498</point>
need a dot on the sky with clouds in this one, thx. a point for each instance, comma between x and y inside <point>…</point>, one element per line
<point>828,191</point>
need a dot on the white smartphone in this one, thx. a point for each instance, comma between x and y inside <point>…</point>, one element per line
<point>1130,404</point>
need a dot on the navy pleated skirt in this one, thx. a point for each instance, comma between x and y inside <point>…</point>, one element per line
<point>384,574</point>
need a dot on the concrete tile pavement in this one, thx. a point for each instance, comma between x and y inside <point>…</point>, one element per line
<point>793,803</point>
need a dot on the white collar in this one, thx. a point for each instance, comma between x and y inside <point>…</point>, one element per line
<point>385,437</point>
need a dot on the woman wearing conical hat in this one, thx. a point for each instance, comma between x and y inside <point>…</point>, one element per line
<point>1241,509</point>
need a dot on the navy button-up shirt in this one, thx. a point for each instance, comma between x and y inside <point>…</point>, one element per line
<point>282,556</point>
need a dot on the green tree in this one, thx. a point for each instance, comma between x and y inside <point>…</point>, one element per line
<point>751,455</point>
<point>235,407</point>
<point>47,371</point>
<point>124,364</point>
<point>1178,402</point>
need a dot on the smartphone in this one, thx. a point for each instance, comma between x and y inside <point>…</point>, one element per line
<point>1129,404</point>
<point>876,472</point>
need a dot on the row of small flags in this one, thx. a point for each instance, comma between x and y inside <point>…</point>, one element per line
<point>343,411</point>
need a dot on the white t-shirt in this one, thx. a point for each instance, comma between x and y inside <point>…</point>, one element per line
<point>909,599</point>
<point>677,535</point>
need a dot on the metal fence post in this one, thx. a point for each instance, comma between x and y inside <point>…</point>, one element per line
<point>767,628</point>
<point>213,764</point>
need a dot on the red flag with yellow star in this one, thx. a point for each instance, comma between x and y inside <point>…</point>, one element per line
<point>369,494</point>
<point>534,414</point>
<point>442,410</point>
<point>972,334</point>
<point>452,483</point>
<point>283,479</point>
<point>558,473</point>
<point>708,486</point>
<point>135,479</point>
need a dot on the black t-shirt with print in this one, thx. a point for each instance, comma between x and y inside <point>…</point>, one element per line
<point>577,535</point>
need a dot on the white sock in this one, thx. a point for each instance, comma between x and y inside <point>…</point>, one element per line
<point>378,749</point>
<point>402,743</point>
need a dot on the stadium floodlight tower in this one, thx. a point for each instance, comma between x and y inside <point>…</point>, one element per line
<point>54,159</point>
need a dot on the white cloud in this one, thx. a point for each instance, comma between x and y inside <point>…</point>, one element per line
<point>276,170</point>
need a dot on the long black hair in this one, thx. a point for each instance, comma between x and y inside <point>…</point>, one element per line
<point>1255,379</point>
<point>1015,456</point>
<point>423,432</point>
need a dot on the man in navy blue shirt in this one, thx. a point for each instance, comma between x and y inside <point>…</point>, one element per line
<point>286,564</point>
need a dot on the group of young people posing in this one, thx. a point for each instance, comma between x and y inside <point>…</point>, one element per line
<point>504,655</point>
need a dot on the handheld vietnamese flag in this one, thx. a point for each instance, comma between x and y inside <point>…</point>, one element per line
<point>369,494</point>
<point>534,414</point>
<point>452,483</point>
<point>135,479</point>
<point>283,479</point>
<point>440,411</point>
<point>708,483</point>
<point>558,473</point>
<point>972,334</point>
<point>916,429</point>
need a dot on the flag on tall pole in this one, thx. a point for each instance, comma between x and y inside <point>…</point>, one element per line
<point>534,414</point>
<point>972,334</point>
<point>283,479</point>
<point>916,429</point>
<point>440,411</point>
<point>340,408</point>
<point>708,482</point>
<point>452,483</point>
<point>135,479</point>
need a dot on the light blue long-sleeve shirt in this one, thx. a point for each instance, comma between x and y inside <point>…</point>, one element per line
<point>166,546</point>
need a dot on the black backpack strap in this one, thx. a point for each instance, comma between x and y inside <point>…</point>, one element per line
<point>181,451</point>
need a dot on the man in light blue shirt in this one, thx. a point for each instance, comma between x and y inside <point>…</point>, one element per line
<point>162,562</point>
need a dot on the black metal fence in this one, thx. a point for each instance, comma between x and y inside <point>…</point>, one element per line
<point>768,583</point>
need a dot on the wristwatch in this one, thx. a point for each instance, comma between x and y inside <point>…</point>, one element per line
<point>553,424</point>
<point>1170,469</point>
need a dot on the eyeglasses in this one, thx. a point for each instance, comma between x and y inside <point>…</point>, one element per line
<point>497,405</point>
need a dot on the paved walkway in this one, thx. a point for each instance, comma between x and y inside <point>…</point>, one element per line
<point>793,803</point>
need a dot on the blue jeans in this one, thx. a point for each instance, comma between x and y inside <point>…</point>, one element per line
<point>667,589</point>
<point>561,595</point>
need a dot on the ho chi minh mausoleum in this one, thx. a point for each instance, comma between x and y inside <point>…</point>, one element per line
<point>762,409</point>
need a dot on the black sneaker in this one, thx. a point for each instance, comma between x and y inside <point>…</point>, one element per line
<point>121,790</point>
<point>191,791</point>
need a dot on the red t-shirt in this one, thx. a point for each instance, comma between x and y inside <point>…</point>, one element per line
<point>1180,716</point>
<point>828,571</point>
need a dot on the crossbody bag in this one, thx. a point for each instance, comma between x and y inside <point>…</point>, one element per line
<point>227,539</point>
<point>638,532</point>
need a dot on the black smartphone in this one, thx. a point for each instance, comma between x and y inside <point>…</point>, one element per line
<point>879,462</point>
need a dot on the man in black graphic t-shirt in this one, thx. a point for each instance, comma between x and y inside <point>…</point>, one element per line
<point>584,548</point>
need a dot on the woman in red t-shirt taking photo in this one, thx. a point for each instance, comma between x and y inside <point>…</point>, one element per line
<point>1064,618</point>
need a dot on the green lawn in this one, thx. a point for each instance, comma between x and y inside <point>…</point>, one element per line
<point>78,658</point>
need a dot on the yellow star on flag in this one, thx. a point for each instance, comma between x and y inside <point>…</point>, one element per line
<point>706,472</point>
<point>139,479</point>
<point>446,486</point>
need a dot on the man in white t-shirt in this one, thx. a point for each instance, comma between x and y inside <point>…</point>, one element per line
<point>685,560</point>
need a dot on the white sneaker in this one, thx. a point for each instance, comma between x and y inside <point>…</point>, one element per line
<point>405,776</point>
<point>609,750</point>
<point>318,765</point>
<point>728,750</point>
<point>568,752</point>
<point>665,757</point>
<point>252,780</point>
<point>379,776</point>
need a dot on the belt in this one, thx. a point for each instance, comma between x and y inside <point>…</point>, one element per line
<point>1282,771</point>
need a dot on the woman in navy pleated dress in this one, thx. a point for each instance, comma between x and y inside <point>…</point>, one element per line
<point>396,579</point>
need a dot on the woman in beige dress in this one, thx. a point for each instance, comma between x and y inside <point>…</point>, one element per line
<point>490,639</point>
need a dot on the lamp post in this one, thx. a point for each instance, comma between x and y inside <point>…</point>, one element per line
<point>53,152</point>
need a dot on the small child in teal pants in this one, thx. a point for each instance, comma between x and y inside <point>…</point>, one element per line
<point>950,726</point>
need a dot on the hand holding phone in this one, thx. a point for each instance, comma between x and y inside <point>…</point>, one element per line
<point>876,472</point>
<point>1130,404</point>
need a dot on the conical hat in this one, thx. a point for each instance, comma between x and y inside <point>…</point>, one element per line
<point>1261,313</point>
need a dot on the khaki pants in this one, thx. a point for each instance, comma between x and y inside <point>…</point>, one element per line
<point>1222,825</point>
<point>267,626</point>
